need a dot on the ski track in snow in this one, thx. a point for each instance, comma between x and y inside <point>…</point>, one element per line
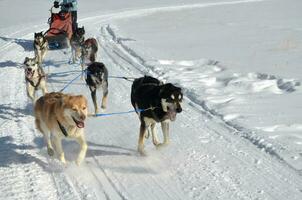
<point>112,169</point>
<point>129,57</point>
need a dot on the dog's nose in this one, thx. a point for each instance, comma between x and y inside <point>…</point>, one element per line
<point>178,109</point>
<point>82,117</point>
<point>29,69</point>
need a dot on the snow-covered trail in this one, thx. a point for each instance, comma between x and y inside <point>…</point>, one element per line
<point>23,171</point>
<point>207,158</point>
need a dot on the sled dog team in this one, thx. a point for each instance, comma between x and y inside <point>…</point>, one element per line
<point>59,116</point>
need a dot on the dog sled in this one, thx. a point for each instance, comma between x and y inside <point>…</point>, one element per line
<point>60,30</point>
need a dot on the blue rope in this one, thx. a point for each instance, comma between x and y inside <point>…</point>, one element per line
<point>69,83</point>
<point>85,72</point>
<point>121,113</point>
<point>107,114</point>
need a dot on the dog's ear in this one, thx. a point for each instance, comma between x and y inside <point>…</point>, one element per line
<point>178,90</point>
<point>167,89</point>
<point>36,60</point>
<point>26,60</point>
<point>83,97</point>
<point>35,34</point>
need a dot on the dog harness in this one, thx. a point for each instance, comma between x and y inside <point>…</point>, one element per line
<point>33,84</point>
<point>42,45</point>
<point>79,39</point>
<point>63,129</point>
<point>41,75</point>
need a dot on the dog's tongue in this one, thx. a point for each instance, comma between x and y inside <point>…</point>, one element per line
<point>29,74</point>
<point>80,124</point>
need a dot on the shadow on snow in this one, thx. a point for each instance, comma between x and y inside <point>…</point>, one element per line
<point>27,45</point>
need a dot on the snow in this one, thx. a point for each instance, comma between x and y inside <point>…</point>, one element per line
<point>238,137</point>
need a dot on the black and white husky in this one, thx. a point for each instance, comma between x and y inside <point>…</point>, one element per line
<point>159,104</point>
<point>40,46</point>
<point>97,77</point>
<point>34,77</point>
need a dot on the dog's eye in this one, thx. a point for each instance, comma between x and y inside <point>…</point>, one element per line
<point>84,108</point>
<point>74,109</point>
<point>169,100</point>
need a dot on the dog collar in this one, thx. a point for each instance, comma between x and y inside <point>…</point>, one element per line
<point>63,129</point>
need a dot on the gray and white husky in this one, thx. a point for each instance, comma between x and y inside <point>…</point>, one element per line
<point>40,46</point>
<point>34,77</point>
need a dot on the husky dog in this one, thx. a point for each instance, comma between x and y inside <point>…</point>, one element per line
<point>89,50</point>
<point>40,46</point>
<point>59,116</point>
<point>34,77</point>
<point>76,43</point>
<point>160,104</point>
<point>97,77</point>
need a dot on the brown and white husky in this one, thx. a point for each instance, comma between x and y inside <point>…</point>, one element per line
<point>89,52</point>
<point>59,116</point>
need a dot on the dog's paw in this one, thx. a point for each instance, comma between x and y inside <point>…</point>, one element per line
<point>50,152</point>
<point>62,158</point>
<point>142,152</point>
<point>64,164</point>
<point>161,145</point>
<point>78,161</point>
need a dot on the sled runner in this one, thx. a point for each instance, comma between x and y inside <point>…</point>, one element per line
<point>60,30</point>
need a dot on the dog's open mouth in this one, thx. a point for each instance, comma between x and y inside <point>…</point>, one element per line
<point>29,73</point>
<point>80,124</point>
